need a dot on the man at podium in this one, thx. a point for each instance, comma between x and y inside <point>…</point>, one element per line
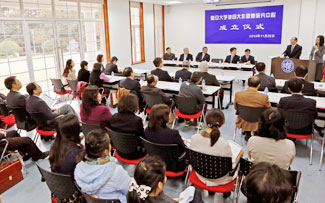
<point>293,50</point>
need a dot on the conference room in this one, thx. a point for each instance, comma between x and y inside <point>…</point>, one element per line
<point>162,101</point>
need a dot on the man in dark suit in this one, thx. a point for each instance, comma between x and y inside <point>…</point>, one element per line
<point>293,50</point>
<point>232,58</point>
<point>308,89</point>
<point>184,73</point>
<point>169,55</point>
<point>131,84</point>
<point>14,98</point>
<point>151,89</point>
<point>210,79</point>
<point>112,66</point>
<point>266,81</point>
<point>34,104</point>
<point>297,102</point>
<point>203,56</point>
<point>161,74</point>
<point>247,58</point>
<point>186,56</point>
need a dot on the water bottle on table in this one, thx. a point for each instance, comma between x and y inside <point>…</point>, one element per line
<point>180,81</point>
<point>112,74</point>
<point>203,83</point>
<point>266,91</point>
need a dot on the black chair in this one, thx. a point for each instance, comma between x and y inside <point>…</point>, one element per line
<point>249,114</point>
<point>300,125</point>
<point>168,152</point>
<point>151,100</point>
<point>62,186</point>
<point>6,116</point>
<point>187,108</point>
<point>211,167</point>
<point>23,120</point>
<point>126,144</point>
<point>59,87</point>
<point>43,127</point>
<point>86,128</point>
<point>73,84</point>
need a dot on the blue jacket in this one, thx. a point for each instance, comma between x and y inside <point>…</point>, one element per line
<point>107,181</point>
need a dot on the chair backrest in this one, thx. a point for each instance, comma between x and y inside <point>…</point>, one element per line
<point>299,120</point>
<point>58,85</point>
<point>209,166</point>
<point>123,142</point>
<point>73,84</point>
<point>168,152</point>
<point>217,60</point>
<point>24,121</point>
<point>296,175</point>
<point>186,105</point>
<point>40,119</point>
<point>244,166</point>
<point>250,114</point>
<point>4,110</point>
<point>86,128</point>
<point>151,100</point>
<point>60,185</point>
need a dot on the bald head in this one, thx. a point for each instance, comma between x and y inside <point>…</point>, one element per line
<point>254,82</point>
<point>203,66</point>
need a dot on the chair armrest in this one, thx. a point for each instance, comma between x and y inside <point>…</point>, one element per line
<point>182,157</point>
<point>233,171</point>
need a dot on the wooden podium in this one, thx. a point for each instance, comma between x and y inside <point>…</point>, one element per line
<point>278,73</point>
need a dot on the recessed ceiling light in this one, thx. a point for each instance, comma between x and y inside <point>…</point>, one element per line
<point>173,2</point>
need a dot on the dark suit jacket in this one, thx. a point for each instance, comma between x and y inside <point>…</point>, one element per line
<point>111,67</point>
<point>15,99</point>
<point>83,75</point>
<point>234,60</point>
<point>199,57</point>
<point>308,90</point>
<point>150,90</point>
<point>189,57</point>
<point>184,74</point>
<point>189,89</point>
<point>95,80</point>
<point>170,56</point>
<point>132,85</point>
<point>161,74</point>
<point>243,59</point>
<point>296,52</point>
<point>209,79</point>
<point>298,103</point>
<point>266,81</point>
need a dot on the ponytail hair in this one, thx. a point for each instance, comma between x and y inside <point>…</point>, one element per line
<point>214,120</point>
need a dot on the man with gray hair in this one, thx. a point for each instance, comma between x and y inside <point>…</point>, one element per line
<point>184,73</point>
<point>186,56</point>
<point>210,79</point>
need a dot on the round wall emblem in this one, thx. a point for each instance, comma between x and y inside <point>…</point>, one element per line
<point>287,65</point>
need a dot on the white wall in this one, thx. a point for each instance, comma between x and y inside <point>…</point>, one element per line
<point>185,27</point>
<point>119,29</point>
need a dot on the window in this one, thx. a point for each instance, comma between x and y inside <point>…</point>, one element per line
<point>10,8</point>
<point>38,8</point>
<point>159,30</point>
<point>137,33</point>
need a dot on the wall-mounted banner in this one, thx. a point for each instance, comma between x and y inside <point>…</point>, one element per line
<point>256,25</point>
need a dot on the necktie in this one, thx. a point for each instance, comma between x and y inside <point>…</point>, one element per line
<point>203,56</point>
<point>231,58</point>
<point>292,47</point>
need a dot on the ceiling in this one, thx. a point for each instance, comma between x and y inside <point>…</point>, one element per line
<point>163,2</point>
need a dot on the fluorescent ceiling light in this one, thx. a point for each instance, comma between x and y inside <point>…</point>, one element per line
<point>173,2</point>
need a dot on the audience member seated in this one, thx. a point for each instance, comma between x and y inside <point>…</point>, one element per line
<point>203,56</point>
<point>125,121</point>
<point>131,84</point>
<point>91,109</point>
<point>250,97</point>
<point>35,104</point>
<point>150,178</point>
<point>186,56</point>
<point>112,66</point>
<point>184,73</point>
<point>247,58</point>
<point>66,146</point>
<point>266,183</point>
<point>151,89</point>
<point>161,74</point>
<point>97,173</point>
<point>169,55</point>
<point>158,132</point>
<point>209,78</point>
<point>266,81</point>
<point>97,78</point>
<point>14,98</point>
<point>233,57</point>
<point>191,89</point>
<point>210,142</point>
<point>302,73</point>
<point>69,73</point>
<point>297,103</point>
<point>84,74</point>
<point>270,144</point>
<point>24,145</point>
<point>100,60</point>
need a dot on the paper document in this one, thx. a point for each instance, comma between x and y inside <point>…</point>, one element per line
<point>235,149</point>
<point>187,195</point>
<point>48,100</point>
